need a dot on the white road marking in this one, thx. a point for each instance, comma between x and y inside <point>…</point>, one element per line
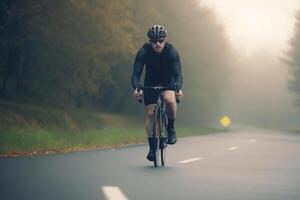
<point>190,160</point>
<point>113,193</point>
<point>252,140</point>
<point>233,148</point>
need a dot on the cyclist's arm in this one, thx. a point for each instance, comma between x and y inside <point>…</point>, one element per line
<point>176,66</point>
<point>138,68</point>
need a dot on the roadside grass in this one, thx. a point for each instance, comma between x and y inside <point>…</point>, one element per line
<point>25,116</point>
<point>22,142</point>
<point>31,129</point>
<point>43,140</point>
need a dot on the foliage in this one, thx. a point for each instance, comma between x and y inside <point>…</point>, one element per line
<point>80,52</point>
<point>294,61</point>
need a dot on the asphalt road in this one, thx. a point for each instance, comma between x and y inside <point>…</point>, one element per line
<point>248,164</point>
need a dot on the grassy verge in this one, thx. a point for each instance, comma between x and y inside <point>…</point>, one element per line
<point>15,142</point>
<point>31,130</point>
<point>25,142</point>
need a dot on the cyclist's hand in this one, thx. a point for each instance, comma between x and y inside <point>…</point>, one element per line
<point>137,94</point>
<point>179,95</point>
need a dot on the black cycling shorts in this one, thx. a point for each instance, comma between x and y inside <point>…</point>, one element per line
<point>150,97</point>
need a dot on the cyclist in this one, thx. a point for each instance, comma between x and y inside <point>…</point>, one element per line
<point>163,68</point>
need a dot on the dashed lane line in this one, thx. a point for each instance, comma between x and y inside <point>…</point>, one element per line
<point>233,148</point>
<point>200,158</point>
<point>113,193</point>
<point>190,160</point>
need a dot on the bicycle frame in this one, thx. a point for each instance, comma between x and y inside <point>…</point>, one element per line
<point>160,113</point>
<point>159,118</point>
<point>159,126</point>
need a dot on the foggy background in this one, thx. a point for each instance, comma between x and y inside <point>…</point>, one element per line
<point>260,33</point>
<point>239,58</point>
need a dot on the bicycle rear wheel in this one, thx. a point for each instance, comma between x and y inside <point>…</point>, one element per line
<point>157,122</point>
<point>163,137</point>
<point>163,151</point>
<point>159,132</point>
<point>156,160</point>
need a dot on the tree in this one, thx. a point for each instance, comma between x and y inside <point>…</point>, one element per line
<point>76,52</point>
<point>294,61</point>
<point>12,45</point>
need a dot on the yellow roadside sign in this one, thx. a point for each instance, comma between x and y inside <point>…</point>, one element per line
<point>225,121</point>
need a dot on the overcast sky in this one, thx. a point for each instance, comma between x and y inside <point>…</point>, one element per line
<point>253,25</point>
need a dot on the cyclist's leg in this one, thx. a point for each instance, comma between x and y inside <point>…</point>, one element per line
<point>151,140</point>
<point>149,121</point>
<point>171,106</point>
<point>150,98</point>
<point>171,109</point>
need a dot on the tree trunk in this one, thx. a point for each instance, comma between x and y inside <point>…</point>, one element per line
<point>20,73</point>
<point>5,76</point>
<point>3,88</point>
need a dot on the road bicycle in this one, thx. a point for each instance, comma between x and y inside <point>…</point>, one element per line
<point>160,124</point>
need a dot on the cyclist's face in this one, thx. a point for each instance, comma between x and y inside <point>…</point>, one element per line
<point>158,45</point>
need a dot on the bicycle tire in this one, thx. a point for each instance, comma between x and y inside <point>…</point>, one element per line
<point>156,131</point>
<point>164,123</point>
<point>163,154</point>
<point>156,160</point>
<point>159,131</point>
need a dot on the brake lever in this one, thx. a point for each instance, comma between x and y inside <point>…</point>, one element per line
<point>138,90</point>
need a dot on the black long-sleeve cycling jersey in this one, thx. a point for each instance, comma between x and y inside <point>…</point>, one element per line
<point>161,68</point>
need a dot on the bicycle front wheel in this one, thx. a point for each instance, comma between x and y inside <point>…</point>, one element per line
<point>156,160</point>
<point>163,154</point>
<point>163,138</point>
<point>160,153</point>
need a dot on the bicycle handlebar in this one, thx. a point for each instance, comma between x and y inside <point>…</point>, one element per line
<point>159,88</point>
